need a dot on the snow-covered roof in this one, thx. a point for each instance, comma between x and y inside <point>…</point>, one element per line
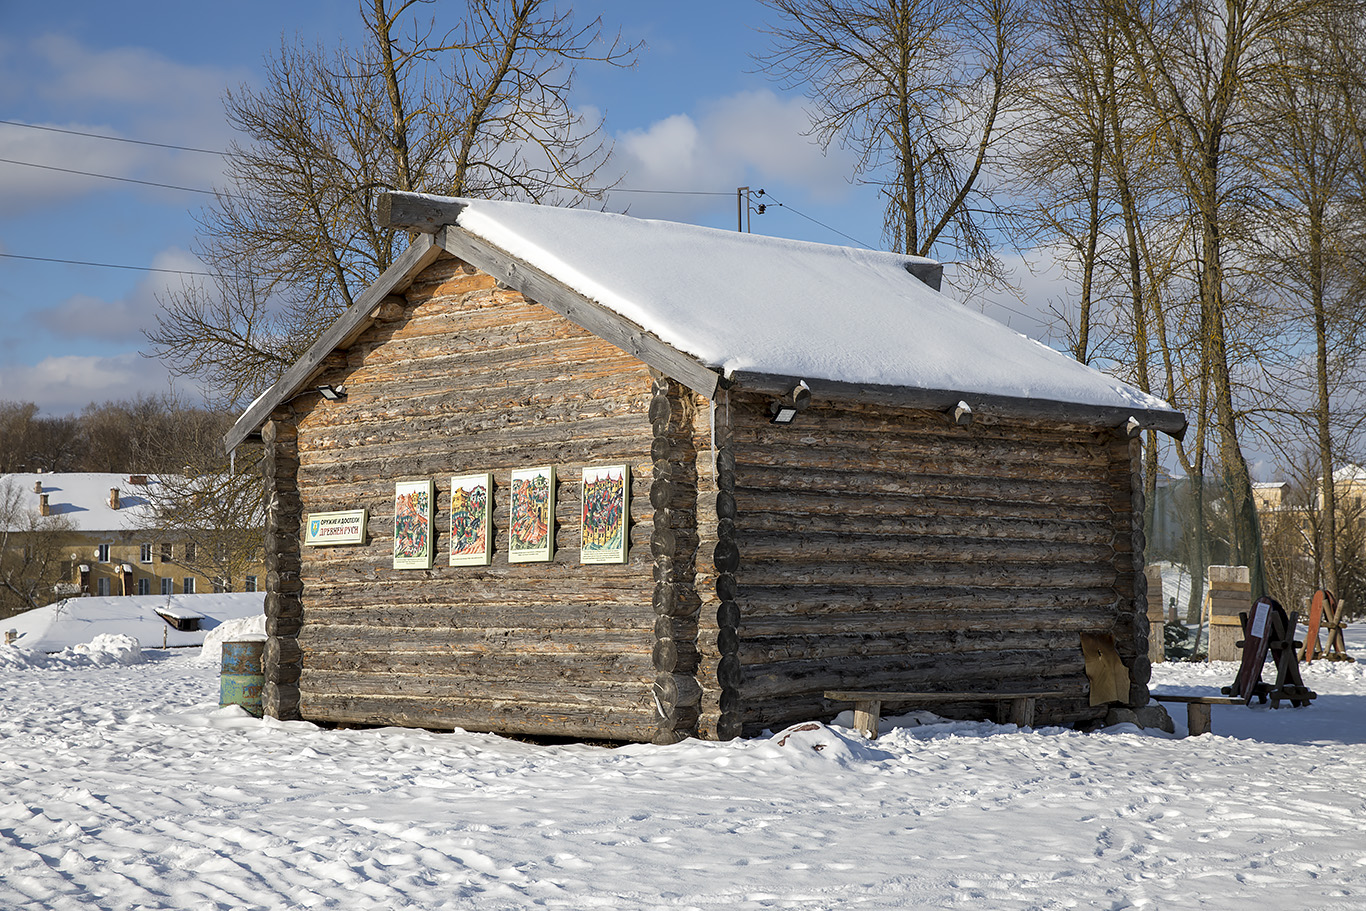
<point>83,498</point>
<point>723,306</point>
<point>748,303</point>
<point>1350,473</point>
<point>75,620</point>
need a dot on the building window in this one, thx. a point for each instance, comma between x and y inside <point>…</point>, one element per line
<point>218,587</point>
<point>166,552</point>
<point>146,556</point>
<point>167,585</point>
<point>189,553</point>
<point>102,586</point>
<point>188,587</point>
<point>144,586</point>
<point>250,584</point>
<point>101,553</point>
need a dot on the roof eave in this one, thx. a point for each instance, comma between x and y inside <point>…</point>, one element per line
<point>1172,423</point>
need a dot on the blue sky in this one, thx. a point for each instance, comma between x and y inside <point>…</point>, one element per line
<point>695,114</point>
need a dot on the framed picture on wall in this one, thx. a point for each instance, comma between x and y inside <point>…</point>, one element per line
<point>531,520</point>
<point>413,524</point>
<point>471,519</point>
<point>604,517</point>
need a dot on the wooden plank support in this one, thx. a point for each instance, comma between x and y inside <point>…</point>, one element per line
<point>1198,718</point>
<point>1015,708</point>
<point>866,714</point>
<point>1022,712</point>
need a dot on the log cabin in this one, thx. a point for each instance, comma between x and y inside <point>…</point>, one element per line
<point>836,477</point>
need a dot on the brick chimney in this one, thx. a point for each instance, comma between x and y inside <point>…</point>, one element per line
<point>138,480</point>
<point>43,508</point>
<point>113,498</point>
<point>37,486</point>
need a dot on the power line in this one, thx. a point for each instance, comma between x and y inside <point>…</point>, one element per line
<point>180,148</point>
<point>140,142</point>
<point>168,186</point>
<point>81,262</point>
<point>782,205</point>
<point>667,192</point>
<point>145,183</point>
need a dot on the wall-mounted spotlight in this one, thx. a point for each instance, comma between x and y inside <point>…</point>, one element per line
<point>331,393</point>
<point>786,409</point>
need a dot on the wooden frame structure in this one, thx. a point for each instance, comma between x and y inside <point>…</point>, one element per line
<point>893,537</point>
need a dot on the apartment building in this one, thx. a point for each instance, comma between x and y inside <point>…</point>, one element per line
<point>108,541</point>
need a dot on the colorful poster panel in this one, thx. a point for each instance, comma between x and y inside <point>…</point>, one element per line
<point>531,525</point>
<point>471,509</point>
<point>413,524</point>
<point>605,514</point>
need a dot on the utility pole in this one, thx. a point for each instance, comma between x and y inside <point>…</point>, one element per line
<point>743,208</point>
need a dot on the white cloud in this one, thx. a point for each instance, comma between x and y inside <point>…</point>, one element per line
<point>123,321</point>
<point>65,384</point>
<point>751,137</point>
<point>118,76</point>
<point>128,92</point>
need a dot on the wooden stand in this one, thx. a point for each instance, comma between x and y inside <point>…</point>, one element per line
<point>1311,648</point>
<point>1336,649</point>
<point>1276,635</point>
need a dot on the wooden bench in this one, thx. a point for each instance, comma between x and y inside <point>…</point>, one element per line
<point>1198,709</point>
<point>1013,708</point>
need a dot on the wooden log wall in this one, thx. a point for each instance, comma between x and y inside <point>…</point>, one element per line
<point>673,494</point>
<point>867,548</point>
<point>284,586</point>
<point>1141,664</point>
<point>459,376</point>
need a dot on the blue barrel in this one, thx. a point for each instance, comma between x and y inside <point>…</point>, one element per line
<point>242,679</point>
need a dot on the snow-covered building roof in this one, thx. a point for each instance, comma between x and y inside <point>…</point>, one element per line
<point>76,620</point>
<point>1350,473</point>
<point>83,498</point>
<point>714,308</point>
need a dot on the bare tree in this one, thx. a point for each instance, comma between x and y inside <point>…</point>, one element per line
<point>921,90</point>
<point>1201,65</point>
<point>481,109</point>
<point>30,552</point>
<point>30,442</point>
<point>214,511</point>
<point>1312,243</point>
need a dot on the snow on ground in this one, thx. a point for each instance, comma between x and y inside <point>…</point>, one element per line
<point>79,620</point>
<point>127,787</point>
